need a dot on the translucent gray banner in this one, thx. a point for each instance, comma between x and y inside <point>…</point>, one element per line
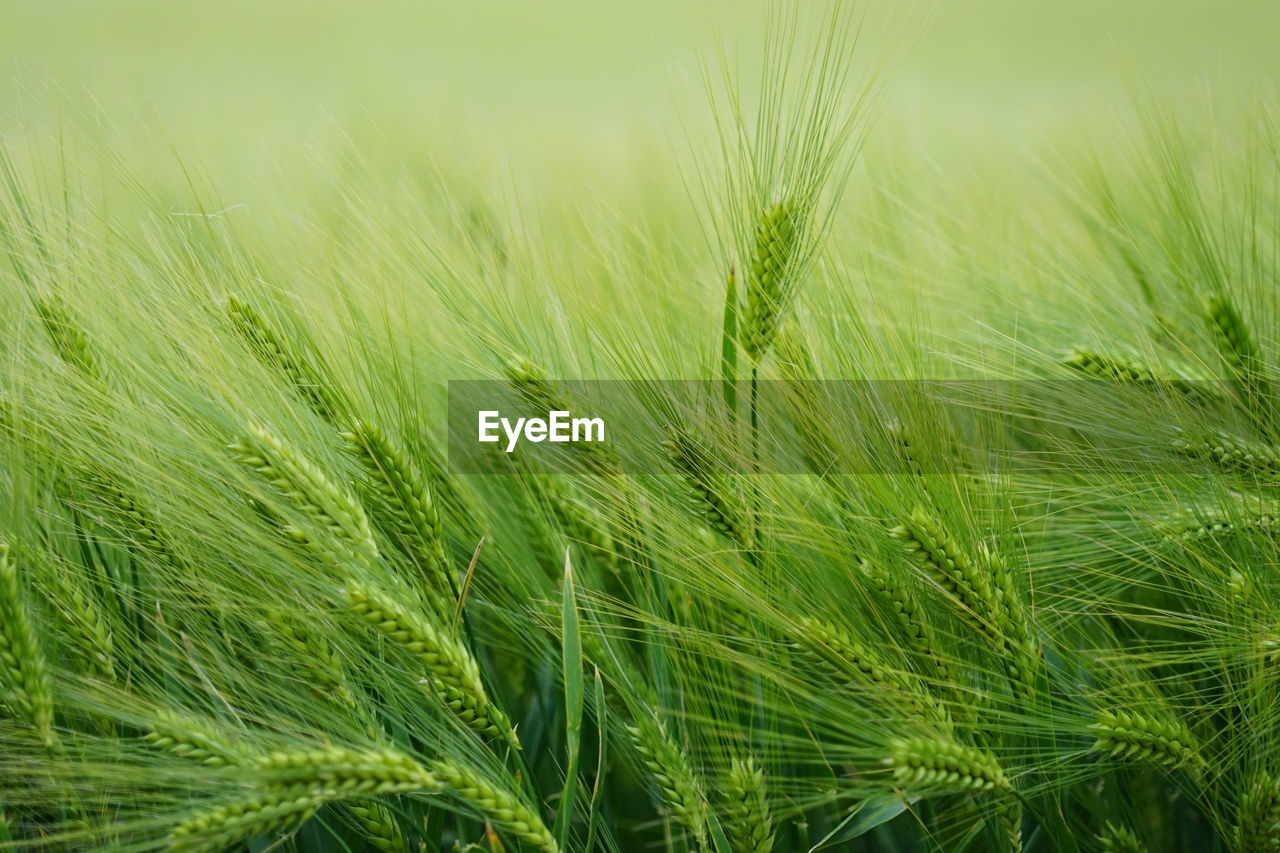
<point>895,427</point>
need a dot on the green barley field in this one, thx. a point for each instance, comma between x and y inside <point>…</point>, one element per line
<point>933,350</point>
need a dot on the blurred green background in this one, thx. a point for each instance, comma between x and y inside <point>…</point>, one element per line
<point>252,72</point>
<point>242,85</point>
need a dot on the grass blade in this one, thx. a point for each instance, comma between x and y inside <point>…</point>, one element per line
<point>571,659</point>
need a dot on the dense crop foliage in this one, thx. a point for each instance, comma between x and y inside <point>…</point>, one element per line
<point>246,602</point>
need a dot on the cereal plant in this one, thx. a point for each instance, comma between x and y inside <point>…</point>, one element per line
<point>924,514</point>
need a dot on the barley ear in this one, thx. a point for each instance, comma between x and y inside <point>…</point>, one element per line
<point>982,587</point>
<point>1106,366</point>
<point>844,656</point>
<point>450,669</point>
<point>1021,658</point>
<point>307,489</point>
<point>193,740</point>
<point>945,765</point>
<point>336,773</point>
<point>1213,525</point>
<point>1234,454</point>
<point>28,688</point>
<point>1134,371</point>
<point>541,392</point>
<point>531,380</point>
<point>928,545</point>
<point>577,521</point>
<point>748,820</point>
<point>219,828</point>
<point>410,514</point>
<point>909,615</point>
<point>68,336</point>
<point>294,784</point>
<point>771,282</point>
<point>670,769</point>
<point>134,520</point>
<point>938,763</point>
<point>379,825</point>
<point>269,346</point>
<point>1238,349</point>
<point>315,655</point>
<point>503,808</point>
<point>1134,735</point>
<point>1258,820</point>
<point>711,494</point>
<point>85,623</point>
<point>1009,819</point>
<point>1116,838</point>
<point>342,772</point>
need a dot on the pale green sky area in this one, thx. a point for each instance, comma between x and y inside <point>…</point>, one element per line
<point>237,81</point>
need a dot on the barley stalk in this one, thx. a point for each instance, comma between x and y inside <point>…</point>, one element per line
<point>316,655</point>
<point>28,688</point>
<point>86,624</point>
<point>1116,838</point>
<point>909,616</point>
<point>983,587</point>
<point>926,762</point>
<point>343,772</point>
<point>220,827</point>
<point>412,516</point>
<point>1258,820</point>
<point>271,348</point>
<point>710,493</point>
<point>1233,454</point>
<point>68,336</point>
<point>670,769</point>
<point>307,488</point>
<point>503,808</point>
<point>1249,521</point>
<point>1134,735</point>
<point>451,670</point>
<point>1238,348</point>
<point>379,825</point>
<point>771,283</point>
<point>193,740</point>
<point>748,820</point>
<point>847,656</point>
<point>949,766</point>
